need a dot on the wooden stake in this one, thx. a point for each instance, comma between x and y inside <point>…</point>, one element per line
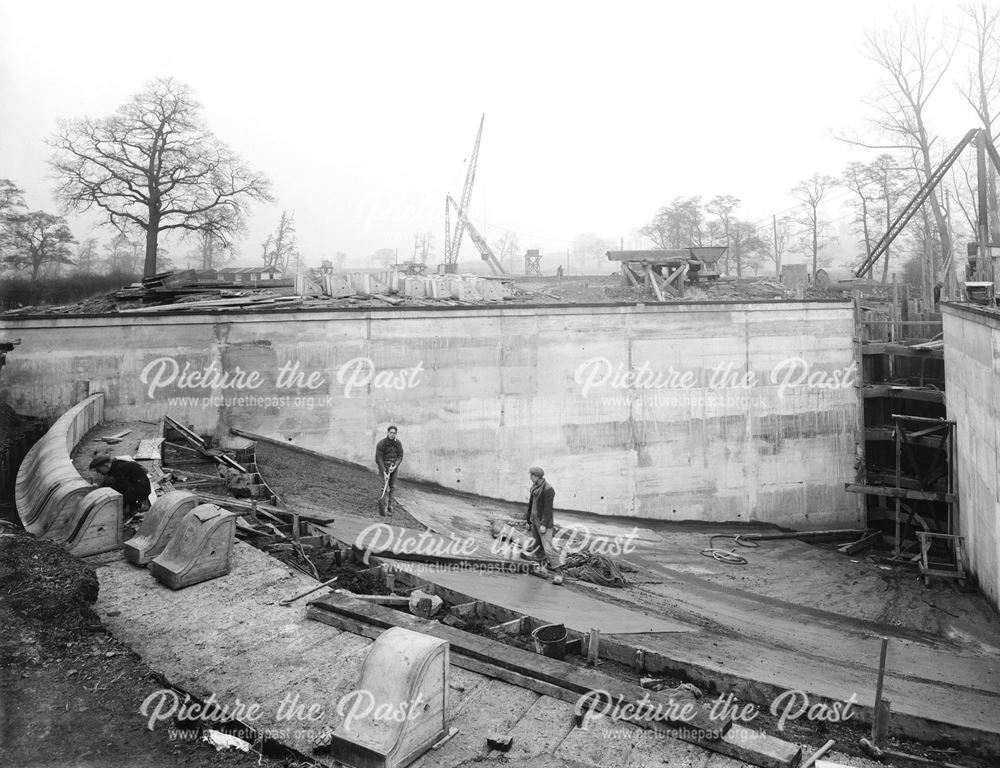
<point>593,646</point>
<point>817,754</point>
<point>878,691</point>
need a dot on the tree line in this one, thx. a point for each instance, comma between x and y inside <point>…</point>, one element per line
<point>153,168</point>
<point>919,56</point>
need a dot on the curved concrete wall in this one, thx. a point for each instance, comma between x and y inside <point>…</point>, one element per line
<point>706,411</point>
<point>54,501</point>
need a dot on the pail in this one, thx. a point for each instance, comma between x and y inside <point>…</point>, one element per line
<point>550,640</point>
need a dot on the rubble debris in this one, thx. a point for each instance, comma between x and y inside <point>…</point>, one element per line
<point>424,605</point>
<point>499,743</point>
<point>222,741</point>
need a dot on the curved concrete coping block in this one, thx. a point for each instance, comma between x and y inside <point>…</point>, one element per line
<point>200,549</point>
<point>98,524</point>
<point>49,492</point>
<point>400,707</point>
<point>159,526</point>
<point>60,507</point>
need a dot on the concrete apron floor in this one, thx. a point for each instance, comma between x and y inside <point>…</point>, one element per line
<point>229,638</point>
<point>947,672</point>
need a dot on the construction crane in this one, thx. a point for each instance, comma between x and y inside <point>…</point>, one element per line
<point>484,248</point>
<point>453,242</point>
<point>984,150</point>
<point>913,206</point>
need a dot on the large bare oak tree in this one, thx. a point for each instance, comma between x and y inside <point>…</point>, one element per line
<point>153,165</point>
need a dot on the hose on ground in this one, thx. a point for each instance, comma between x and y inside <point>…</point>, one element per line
<point>728,556</point>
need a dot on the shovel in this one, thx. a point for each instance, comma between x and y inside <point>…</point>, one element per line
<point>385,489</point>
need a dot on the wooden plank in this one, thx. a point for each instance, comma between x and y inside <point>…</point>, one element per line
<point>188,448</point>
<point>899,493</point>
<point>188,435</point>
<point>149,449</point>
<point>651,278</point>
<point>579,680</point>
<point>902,350</point>
<point>296,448</point>
<point>388,299</point>
<point>830,535</point>
<point>567,684</point>
<point>888,433</point>
<point>865,542</point>
<point>910,393</point>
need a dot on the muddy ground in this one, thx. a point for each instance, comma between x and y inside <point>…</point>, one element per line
<point>70,694</point>
<point>309,484</point>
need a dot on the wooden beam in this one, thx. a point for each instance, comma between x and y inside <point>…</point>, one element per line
<point>909,393</point>
<point>899,493</point>
<point>651,278</point>
<point>630,276</point>
<point>828,535</point>
<point>865,542</point>
<point>561,680</point>
<point>901,350</point>
<point>888,433</point>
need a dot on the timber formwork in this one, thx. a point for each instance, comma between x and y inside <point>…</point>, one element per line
<point>905,472</point>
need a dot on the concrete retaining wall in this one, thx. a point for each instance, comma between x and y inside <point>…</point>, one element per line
<point>708,411</point>
<point>972,376</point>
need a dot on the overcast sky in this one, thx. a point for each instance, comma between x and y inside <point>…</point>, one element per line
<point>362,114</point>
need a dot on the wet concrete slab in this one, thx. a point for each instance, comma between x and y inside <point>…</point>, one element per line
<point>541,599</point>
<point>937,673</point>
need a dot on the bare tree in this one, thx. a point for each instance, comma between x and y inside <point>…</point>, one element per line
<point>118,253</point>
<point>913,65</point>
<point>746,244</point>
<point>723,206</point>
<point>423,247</point>
<point>37,238</point>
<point>385,256</point>
<point>982,85</point>
<point>778,240</point>
<point>859,180</point>
<point>86,256</point>
<point>280,248</point>
<point>11,197</point>
<point>678,225</point>
<point>152,165</point>
<point>811,192</point>
<point>220,227</point>
<point>508,251</point>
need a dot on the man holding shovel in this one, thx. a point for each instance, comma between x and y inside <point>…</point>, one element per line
<point>388,457</point>
<point>540,521</point>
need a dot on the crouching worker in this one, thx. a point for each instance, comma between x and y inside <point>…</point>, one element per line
<point>540,521</point>
<point>126,477</point>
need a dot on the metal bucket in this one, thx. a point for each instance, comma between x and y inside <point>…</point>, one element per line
<point>550,640</point>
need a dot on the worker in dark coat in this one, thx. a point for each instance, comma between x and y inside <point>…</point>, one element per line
<point>388,457</point>
<point>540,500</point>
<point>126,477</point>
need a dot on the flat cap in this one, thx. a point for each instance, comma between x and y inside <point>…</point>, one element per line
<point>537,472</point>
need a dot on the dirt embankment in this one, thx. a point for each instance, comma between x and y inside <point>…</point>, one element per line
<point>70,694</point>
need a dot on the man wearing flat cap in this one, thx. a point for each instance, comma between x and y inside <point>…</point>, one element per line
<point>540,521</point>
<point>127,477</point>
